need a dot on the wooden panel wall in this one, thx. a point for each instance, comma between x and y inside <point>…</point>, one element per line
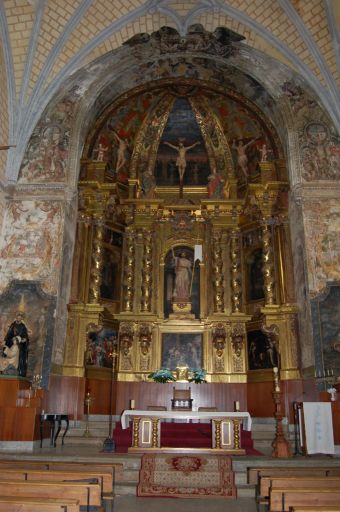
<point>65,395</point>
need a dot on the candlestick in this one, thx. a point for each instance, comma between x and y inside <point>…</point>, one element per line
<point>237,406</point>
<point>132,405</point>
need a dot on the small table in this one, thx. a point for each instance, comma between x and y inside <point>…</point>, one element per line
<point>54,419</point>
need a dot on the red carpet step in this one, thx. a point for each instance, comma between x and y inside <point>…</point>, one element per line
<point>181,435</point>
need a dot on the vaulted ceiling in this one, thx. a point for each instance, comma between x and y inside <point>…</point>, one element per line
<point>43,43</point>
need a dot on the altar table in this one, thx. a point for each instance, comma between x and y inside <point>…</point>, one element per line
<point>226,428</point>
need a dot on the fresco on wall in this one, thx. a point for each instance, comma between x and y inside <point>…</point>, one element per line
<point>38,310</point>
<point>326,330</point>
<point>262,353</point>
<point>182,143</point>
<point>115,140</point>
<point>99,348</point>
<point>31,243</point>
<point>322,235</point>
<point>318,139</point>
<point>47,152</point>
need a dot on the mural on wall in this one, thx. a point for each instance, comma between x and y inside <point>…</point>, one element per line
<point>326,330</point>
<point>322,238</point>
<point>319,142</point>
<point>262,352</point>
<point>99,347</point>
<point>31,242</point>
<point>181,149</point>
<point>47,152</point>
<point>24,302</point>
<point>115,139</point>
<point>182,349</point>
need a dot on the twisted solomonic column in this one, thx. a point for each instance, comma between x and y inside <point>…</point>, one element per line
<point>96,261</point>
<point>235,261</point>
<point>217,271</point>
<point>147,273</point>
<point>268,262</point>
<point>129,271</point>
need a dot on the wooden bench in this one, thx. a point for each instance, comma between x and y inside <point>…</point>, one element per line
<point>255,472</point>
<point>104,479</point>
<point>268,482</point>
<point>315,508</point>
<point>281,500</point>
<point>87,494</point>
<point>17,504</point>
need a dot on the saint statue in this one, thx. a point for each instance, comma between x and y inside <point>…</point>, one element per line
<point>183,273</point>
<point>9,360</point>
<point>18,331</point>
<point>181,162</point>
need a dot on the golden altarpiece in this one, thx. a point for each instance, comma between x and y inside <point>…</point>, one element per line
<point>189,181</point>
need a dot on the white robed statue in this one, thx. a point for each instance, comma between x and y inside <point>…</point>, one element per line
<point>183,273</point>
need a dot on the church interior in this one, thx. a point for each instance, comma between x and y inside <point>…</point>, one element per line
<point>169,224</point>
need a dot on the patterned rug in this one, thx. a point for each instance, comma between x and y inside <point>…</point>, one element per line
<point>186,476</point>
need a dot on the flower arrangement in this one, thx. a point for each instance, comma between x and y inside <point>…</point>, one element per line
<point>163,375</point>
<point>197,375</point>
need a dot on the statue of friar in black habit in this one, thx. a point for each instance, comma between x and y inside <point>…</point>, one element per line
<point>18,330</point>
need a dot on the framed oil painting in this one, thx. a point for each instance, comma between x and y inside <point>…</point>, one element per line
<point>262,353</point>
<point>99,348</point>
<point>182,349</point>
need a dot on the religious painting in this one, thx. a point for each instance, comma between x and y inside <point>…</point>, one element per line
<point>326,330</point>
<point>255,282</point>
<point>262,352</point>
<point>99,347</point>
<point>182,349</point>
<point>111,269</point>
<point>27,313</point>
<point>181,153</point>
<point>181,277</point>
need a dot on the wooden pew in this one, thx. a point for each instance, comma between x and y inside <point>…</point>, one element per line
<point>268,482</point>
<point>315,508</point>
<point>280,500</point>
<point>17,504</point>
<point>103,478</point>
<point>255,472</point>
<point>87,494</point>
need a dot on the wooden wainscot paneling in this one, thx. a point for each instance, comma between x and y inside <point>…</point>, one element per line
<point>65,395</point>
<point>145,394</point>
<point>10,388</point>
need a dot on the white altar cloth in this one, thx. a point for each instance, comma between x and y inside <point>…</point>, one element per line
<point>186,415</point>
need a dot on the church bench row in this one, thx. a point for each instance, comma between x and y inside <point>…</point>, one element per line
<point>315,508</point>
<point>282,500</point>
<point>25,504</point>
<point>254,473</point>
<point>88,495</point>
<point>269,482</point>
<point>104,479</point>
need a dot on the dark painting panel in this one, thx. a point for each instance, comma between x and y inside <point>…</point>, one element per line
<point>182,349</point>
<point>99,348</point>
<point>326,330</point>
<point>262,353</point>
<point>38,311</point>
<point>255,281</point>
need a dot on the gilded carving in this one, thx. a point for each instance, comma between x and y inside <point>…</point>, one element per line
<point>268,263</point>
<point>129,271</point>
<point>96,262</point>
<point>235,255</point>
<point>144,345</point>
<point>147,272</point>
<point>125,343</point>
<point>217,272</point>
<point>219,342</point>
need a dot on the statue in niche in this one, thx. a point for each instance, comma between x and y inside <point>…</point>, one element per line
<point>9,360</point>
<point>183,273</point>
<point>18,333</point>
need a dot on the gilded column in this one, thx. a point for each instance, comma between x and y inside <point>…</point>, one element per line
<point>129,271</point>
<point>147,273</point>
<point>268,263</point>
<point>235,258</point>
<point>96,261</point>
<point>218,278</point>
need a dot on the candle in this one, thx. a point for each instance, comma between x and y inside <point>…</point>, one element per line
<point>132,404</point>
<point>237,405</point>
